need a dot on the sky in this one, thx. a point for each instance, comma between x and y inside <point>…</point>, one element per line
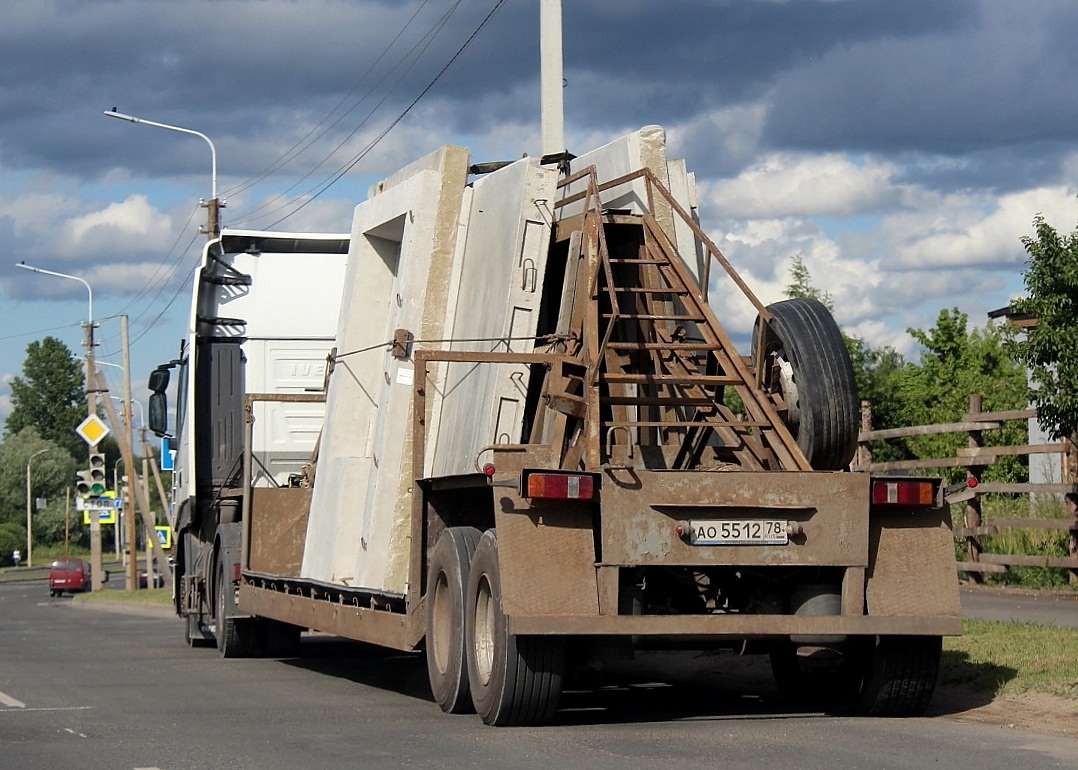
<point>900,148</point>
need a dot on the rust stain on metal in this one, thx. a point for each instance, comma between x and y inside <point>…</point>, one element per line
<point>642,508</point>
<point>279,526</point>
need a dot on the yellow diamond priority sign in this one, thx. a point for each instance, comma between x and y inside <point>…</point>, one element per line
<point>92,430</point>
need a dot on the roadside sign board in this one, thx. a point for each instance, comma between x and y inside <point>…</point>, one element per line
<point>167,454</point>
<point>164,536</point>
<point>92,430</point>
<point>98,503</point>
<point>103,517</point>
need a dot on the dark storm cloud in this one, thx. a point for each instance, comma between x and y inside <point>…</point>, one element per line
<point>243,69</point>
<point>1006,80</point>
<point>951,77</point>
<point>730,48</point>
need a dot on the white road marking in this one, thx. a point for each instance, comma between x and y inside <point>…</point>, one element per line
<point>69,730</point>
<point>57,708</point>
<point>7,700</point>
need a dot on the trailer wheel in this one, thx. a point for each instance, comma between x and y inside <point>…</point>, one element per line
<point>901,676</point>
<point>236,637</point>
<point>447,582</point>
<point>808,364</point>
<point>515,680</point>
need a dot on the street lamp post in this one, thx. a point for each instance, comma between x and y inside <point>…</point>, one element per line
<point>29,510</point>
<point>43,271</point>
<point>91,409</point>
<point>91,401</point>
<point>213,206</point>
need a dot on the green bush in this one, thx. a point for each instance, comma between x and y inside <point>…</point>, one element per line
<point>12,536</point>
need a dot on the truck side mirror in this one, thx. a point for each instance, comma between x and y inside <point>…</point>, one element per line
<point>158,419</point>
<point>159,379</point>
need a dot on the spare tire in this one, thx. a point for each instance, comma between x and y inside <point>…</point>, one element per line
<point>806,361</point>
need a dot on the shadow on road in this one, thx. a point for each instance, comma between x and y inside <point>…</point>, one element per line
<point>964,685</point>
<point>366,664</point>
<point>654,688</point>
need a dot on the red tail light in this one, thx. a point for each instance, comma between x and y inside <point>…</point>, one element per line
<point>559,486</point>
<point>903,492</point>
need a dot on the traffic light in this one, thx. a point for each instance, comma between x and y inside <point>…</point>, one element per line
<point>97,474</point>
<point>82,486</point>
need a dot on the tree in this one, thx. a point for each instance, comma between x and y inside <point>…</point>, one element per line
<point>1050,347</point>
<point>801,285</point>
<point>955,362</point>
<point>50,396</point>
<point>875,369</point>
<point>52,472</point>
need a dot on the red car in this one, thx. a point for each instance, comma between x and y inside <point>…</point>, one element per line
<point>69,575</point>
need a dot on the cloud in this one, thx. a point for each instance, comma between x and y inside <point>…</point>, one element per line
<point>972,231</point>
<point>783,184</point>
<point>131,217</point>
<point>1004,78</point>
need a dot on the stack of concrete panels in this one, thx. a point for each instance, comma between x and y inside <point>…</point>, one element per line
<point>460,267</point>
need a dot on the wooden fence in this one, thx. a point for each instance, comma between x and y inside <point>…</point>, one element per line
<point>974,458</point>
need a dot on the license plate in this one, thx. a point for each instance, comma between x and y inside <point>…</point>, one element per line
<point>739,532</point>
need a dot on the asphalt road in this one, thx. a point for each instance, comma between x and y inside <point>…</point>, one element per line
<point>96,687</point>
<point>1048,607</point>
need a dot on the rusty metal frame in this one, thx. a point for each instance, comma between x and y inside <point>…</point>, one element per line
<point>248,450</point>
<point>666,304</point>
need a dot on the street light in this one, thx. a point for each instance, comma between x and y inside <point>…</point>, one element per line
<point>43,271</point>
<point>29,500</point>
<point>212,228</point>
<point>134,402</point>
<point>91,401</point>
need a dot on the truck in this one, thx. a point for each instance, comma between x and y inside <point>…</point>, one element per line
<point>526,445</point>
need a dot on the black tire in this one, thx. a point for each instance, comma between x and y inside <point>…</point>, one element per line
<point>901,676</point>
<point>236,637</point>
<point>824,416</point>
<point>515,680</point>
<point>447,585</point>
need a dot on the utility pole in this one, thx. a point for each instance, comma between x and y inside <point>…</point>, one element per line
<point>213,208</point>
<point>551,82</point>
<point>129,509</point>
<point>134,483</point>
<point>96,571</point>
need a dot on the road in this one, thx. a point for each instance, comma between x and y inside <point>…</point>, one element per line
<point>1048,607</point>
<point>93,687</point>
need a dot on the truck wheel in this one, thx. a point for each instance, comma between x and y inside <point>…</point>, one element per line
<point>515,680</point>
<point>447,582</point>
<point>901,676</point>
<point>235,636</point>
<point>808,364</point>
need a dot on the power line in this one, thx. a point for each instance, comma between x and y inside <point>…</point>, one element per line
<point>399,118</point>
<point>422,45</point>
<point>295,150</point>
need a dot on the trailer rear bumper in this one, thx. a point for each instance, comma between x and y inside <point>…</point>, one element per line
<point>733,626</point>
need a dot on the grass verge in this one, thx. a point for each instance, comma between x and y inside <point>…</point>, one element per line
<point>162,596</point>
<point>1012,658</point>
